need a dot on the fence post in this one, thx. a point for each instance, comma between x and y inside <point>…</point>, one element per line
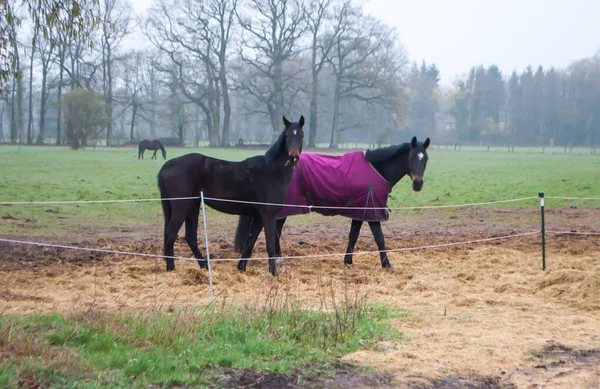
<point>541,194</point>
<point>210,283</point>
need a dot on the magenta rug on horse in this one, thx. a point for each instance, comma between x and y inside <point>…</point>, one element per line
<point>347,180</point>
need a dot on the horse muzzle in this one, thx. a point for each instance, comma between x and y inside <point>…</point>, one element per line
<point>417,183</point>
<point>293,157</point>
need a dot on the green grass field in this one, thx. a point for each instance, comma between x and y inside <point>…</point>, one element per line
<point>59,174</point>
<point>174,349</point>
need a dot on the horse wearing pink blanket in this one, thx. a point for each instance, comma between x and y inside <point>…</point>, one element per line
<point>356,180</point>
<point>341,181</point>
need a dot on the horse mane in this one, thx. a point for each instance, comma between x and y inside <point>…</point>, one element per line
<point>382,154</point>
<point>275,149</point>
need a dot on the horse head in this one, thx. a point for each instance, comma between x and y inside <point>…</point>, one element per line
<point>417,161</point>
<point>294,135</point>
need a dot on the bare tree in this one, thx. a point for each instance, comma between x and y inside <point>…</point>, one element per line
<point>60,58</point>
<point>19,127</point>
<point>133,86</point>
<point>81,72</point>
<point>178,114</point>
<point>321,45</point>
<point>220,27</point>
<point>31,62</point>
<point>150,87</point>
<point>359,60</point>
<point>271,31</point>
<point>115,20</point>
<point>44,51</point>
<point>182,32</point>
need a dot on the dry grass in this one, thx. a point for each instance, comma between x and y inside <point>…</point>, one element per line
<point>473,310</point>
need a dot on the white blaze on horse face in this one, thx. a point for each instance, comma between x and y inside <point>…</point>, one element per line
<point>294,131</point>
<point>421,156</point>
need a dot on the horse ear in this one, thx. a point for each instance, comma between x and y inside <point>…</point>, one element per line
<point>286,122</point>
<point>413,142</point>
<point>426,144</point>
<point>301,122</point>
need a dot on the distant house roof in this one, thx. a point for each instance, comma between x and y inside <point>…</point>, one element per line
<point>445,122</point>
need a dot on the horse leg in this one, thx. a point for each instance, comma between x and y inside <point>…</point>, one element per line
<point>380,240</point>
<point>352,238</point>
<point>269,224</point>
<point>178,215</point>
<point>279,226</point>
<point>191,234</point>
<point>255,229</point>
<point>154,155</point>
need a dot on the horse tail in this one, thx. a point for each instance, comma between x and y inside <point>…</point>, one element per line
<point>162,148</point>
<point>166,204</point>
<point>242,231</point>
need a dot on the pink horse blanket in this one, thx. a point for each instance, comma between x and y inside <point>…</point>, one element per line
<point>347,180</point>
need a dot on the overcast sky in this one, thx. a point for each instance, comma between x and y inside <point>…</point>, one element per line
<point>458,34</point>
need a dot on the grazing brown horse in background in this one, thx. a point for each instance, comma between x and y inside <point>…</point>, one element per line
<point>151,145</point>
<point>318,185</point>
<point>258,179</point>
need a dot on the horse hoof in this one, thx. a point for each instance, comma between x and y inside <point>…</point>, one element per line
<point>389,267</point>
<point>241,266</point>
<point>203,264</point>
<point>169,268</point>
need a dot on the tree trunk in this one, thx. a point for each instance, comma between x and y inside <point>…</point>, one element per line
<point>213,135</point>
<point>61,60</point>
<point>14,131</point>
<point>153,121</point>
<point>109,99</point>
<point>74,73</point>
<point>198,128</point>
<point>131,137</point>
<point>14,122</point>
<point>40,138</point>
<point>312,129</point>
<point>154,97</point>
<point>30,115</point>
<point>278,87</point>
<point>20,107</point>
<point>336,113</point>
<point>273,115</point>
<point>2,121</point>
<point>225,137</point>
<point>69,129</point>
<point>213,116</point>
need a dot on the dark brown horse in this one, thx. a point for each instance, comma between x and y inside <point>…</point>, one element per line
<point>262,178</point>
<point>392,163</point>
<point>151,145</point>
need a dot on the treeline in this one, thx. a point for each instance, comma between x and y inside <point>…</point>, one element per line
<point>219,70</point>
<point>215,71</point>
<point>541,107</point>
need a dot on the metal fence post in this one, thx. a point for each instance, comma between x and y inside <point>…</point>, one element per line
<point>541,194</point>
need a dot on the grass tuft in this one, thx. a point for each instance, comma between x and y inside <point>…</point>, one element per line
<point>97,349</point>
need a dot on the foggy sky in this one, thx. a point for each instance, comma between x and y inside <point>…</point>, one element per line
<point>459,34</point>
